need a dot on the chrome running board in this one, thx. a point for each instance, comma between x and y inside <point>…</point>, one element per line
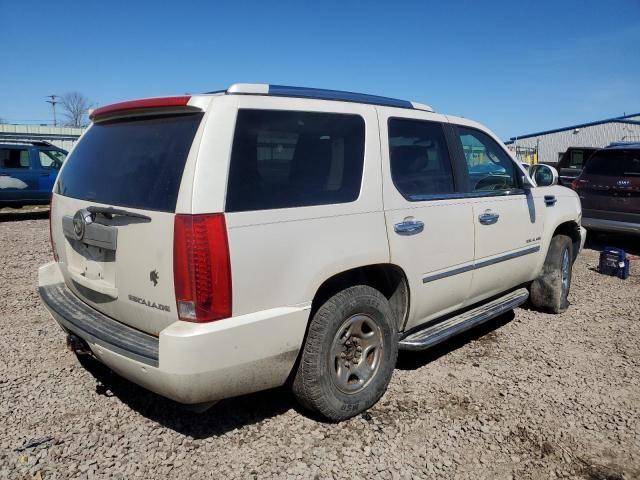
<point>441,331</point>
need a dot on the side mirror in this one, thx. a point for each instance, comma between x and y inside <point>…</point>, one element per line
<point>543,175</point>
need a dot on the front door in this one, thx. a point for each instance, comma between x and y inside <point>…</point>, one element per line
<point>430,228</point>
<point>508,219</point>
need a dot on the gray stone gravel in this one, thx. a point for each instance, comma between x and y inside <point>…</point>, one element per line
<point>529,396</point>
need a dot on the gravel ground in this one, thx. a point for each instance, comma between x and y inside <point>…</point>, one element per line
<point>527,396</point>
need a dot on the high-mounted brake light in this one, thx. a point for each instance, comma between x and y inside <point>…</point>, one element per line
<point>201,267</point>
<point>163,102</point>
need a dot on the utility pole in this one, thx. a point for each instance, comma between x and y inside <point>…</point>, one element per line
<point>53,102</point>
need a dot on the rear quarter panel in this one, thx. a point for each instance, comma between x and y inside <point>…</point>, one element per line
<point>280,257</point>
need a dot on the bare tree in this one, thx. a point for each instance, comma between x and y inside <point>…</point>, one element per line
<point>75,108</point>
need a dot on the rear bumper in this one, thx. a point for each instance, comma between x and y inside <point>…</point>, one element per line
<point>611,225</point>
<point>189,363</point>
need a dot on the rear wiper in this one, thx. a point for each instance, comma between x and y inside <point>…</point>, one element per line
<point>110,212</point>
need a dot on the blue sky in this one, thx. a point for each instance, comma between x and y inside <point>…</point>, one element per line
<point>517,66</point>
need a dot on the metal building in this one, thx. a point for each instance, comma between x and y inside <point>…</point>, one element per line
<point>63,137</point>
<point>551,144</point>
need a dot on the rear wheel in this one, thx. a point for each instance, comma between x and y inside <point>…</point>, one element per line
<point>349,354</point>
<point>550,291</point>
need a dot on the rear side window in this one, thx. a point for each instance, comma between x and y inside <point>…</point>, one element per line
<point>14,158</point>
<point>135,163</point>
<point>420,163</point>
<point>614,163</point>
<point>283,159</point>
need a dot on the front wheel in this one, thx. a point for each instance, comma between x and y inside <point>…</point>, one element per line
<point>550,291</point>
<point>349,354</point>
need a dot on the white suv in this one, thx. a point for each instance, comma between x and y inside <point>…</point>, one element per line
<point>213,245</point>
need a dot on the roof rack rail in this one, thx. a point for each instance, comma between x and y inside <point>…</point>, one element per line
<point>9,139</point>
<point>321,94</point>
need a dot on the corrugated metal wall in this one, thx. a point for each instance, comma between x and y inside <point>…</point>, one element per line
<point>63,137</point>
<point>552,144</point>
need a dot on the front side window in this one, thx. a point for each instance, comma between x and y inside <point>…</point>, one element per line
<point>490,168</point>
<point>51,158</point>
<point>284,159</point>
<point>14,158</point>
<point>420,163</point>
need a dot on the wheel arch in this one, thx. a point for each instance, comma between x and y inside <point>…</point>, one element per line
<point>387,278</point>
<point>572,230</point>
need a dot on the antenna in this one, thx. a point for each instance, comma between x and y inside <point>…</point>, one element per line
<point>53,102</point>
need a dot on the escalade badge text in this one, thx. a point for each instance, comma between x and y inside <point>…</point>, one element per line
<point>150,304</point>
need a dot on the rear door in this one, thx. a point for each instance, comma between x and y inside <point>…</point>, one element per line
<point>609,187</point>
<point>18,180</point>
<point>429,224</point>
<point>113,214</point>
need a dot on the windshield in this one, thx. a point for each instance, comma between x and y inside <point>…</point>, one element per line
<point>614,163</point>
<point>135,163</point>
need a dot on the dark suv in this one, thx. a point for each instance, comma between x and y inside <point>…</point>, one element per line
<point>609,188</point>
<point>571,163</point>
<point>27,172</point>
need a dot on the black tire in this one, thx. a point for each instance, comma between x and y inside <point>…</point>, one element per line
<point>548,292</point>
<point>317,385</point>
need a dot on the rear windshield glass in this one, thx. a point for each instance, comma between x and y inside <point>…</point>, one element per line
<point>614,163</point>
<point>135,163</point>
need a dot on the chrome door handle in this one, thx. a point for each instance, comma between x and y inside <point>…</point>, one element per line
<point>550,200</point>
<point>488,218</point>
<point>408,227</point>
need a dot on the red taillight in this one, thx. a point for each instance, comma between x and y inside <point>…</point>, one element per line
<point>163,102</point>
<point>53,245</point>
<point>574,184</point>
<point>201,267</point>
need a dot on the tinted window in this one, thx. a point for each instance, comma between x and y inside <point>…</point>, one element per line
<point>614,163</point>
<point>420,163</point>
<point>577,159</point>
<point>283,159</point>
<point>14,158</point>
<point>490,168</point>
<point>135,163</point>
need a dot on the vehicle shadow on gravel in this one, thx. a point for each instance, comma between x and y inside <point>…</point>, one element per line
<point>599,240</point>
<point>237,412</point>
<point>223,417</point>
<point>414,360</point>
<point>16,216</point>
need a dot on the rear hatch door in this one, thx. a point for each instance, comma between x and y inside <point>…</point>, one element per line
<point>113,214</point>
<point>611,182</point>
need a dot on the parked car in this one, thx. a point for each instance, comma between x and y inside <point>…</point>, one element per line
<point>27,172</point>
<point>571,163</point>
<point>214,245</point>
<point>609,188</point>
